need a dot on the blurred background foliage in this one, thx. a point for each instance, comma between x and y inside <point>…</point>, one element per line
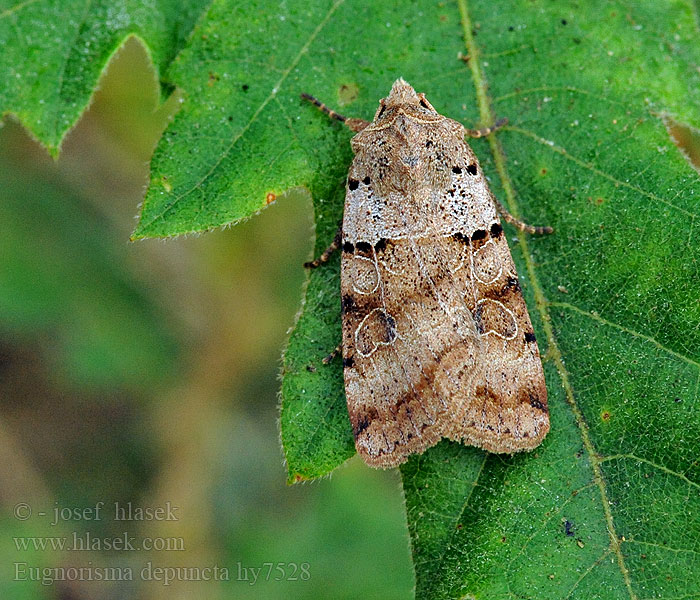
<point>148,372</point>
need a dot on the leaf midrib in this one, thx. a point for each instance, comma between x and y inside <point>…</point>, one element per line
<point>487,117</point>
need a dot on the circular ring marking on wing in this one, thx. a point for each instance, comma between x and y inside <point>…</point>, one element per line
<point>493,318</point>
<point>365,276</point>
<point>486,260</point>
<point>378,328</point>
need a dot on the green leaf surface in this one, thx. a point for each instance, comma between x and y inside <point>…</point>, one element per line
<point>608,506</point>
<point>55,50</point>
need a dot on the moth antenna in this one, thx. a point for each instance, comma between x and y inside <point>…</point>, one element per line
<point>477,133</point>
<point>355,125</point>
<point>323,108</point>
<point>508,218</point>
<point>328,359</point>
<point>328,252</point>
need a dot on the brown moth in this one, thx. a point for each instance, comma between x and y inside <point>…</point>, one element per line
<point>437,340</point>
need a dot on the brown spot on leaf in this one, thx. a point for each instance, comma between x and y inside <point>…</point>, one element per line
<point>347,93</point>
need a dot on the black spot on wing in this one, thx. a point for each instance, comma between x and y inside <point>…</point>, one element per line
<point>535,402</point>
<point>347,304</point>
<point>364,247</point>
<point>510,287</point>
<point>380,245</point>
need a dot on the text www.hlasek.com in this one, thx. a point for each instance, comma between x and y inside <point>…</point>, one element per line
<point>85,542</point>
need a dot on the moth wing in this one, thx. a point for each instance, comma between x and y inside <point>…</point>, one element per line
<point>446,350</point>
<point>506,409</point>
<point>402,353</point>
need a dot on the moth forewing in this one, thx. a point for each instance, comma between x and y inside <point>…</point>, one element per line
<point>437,340</point>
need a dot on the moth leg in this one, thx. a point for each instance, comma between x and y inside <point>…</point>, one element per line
<point>477,133</point>
<point>508,218</point>
<point>327,359</point>
<point>328,252</point>
<point>352,124</point>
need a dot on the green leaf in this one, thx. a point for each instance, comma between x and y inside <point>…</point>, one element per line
<point>55,50</point>
<point>608,506</point>
<point>242,137</point>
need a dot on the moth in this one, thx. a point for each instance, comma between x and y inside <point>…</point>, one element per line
<point>437,341</point>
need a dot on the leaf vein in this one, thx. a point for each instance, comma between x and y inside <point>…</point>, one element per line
<point>551,515</point>
<point>582,163</point>
<point>651,464</point>
<point>438,561</point>
<point>564,88</point>
<point>61,75</point>
<point>587,572</point>
<point>8,11</point>
<point>662,547</point>
<point>275,89</point>
<point>497,151</point>
<point>648,338</point>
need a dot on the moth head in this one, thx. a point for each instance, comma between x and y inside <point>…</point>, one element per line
<point>404,98</point>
